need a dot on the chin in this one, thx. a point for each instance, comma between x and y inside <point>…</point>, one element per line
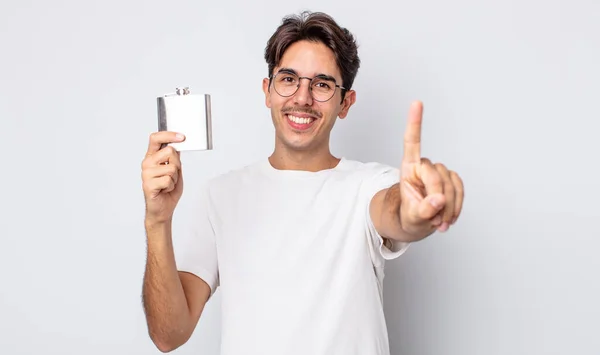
<point>297,143</point>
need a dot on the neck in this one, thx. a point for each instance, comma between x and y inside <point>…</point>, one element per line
<point>309,160</point>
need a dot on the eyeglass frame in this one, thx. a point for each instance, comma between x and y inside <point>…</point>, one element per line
<point>320,76</point>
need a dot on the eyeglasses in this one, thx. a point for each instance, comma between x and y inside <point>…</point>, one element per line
<point>321,87</point>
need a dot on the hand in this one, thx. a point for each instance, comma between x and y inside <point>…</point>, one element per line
<point>162,180</point>
<point>431,195</point>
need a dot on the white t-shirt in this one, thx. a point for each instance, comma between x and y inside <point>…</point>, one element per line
<point>296,258</point>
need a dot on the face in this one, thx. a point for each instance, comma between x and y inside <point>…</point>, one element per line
<point>301,122</point>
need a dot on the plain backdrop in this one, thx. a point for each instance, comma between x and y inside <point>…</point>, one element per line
<point>511,92</point>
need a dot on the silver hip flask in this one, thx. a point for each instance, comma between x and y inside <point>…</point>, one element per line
<point>189,114</point>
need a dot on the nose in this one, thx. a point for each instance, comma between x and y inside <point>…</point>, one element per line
<point>303,97</point>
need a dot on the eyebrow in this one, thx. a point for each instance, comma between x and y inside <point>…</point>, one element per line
<point>320,75</point>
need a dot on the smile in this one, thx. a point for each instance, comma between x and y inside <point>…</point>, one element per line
<point>300,123</point>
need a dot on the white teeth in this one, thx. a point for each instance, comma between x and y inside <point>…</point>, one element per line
<point>299,120</point>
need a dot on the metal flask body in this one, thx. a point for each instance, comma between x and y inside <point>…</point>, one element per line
<point>189,114</point>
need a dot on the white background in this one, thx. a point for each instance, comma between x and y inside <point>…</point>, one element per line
<point>511,92</point>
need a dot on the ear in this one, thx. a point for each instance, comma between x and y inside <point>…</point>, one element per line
<point>349,100</point>
<point>265,86</point>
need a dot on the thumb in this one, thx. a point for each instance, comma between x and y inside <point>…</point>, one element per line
<point>430,206</point>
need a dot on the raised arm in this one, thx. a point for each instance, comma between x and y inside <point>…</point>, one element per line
<point>173,301</point>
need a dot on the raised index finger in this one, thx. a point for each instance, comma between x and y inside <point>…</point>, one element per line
<point>412,136</point>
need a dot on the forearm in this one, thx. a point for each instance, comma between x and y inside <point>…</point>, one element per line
<point>385,213</point>
<point>165,305</point>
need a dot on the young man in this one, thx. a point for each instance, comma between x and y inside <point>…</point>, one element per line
<point>297,241</point>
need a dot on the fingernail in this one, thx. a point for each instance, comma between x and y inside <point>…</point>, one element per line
<point>453,221</point>
<point>434,202</point>
<point>179,136</point>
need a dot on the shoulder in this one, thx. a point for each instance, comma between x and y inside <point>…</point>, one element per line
<point>367,170</point>
<point>372,176</point>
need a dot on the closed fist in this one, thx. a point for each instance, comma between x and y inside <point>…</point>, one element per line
<point>162,180</point>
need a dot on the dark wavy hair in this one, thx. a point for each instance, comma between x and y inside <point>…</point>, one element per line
<point>318,27</point>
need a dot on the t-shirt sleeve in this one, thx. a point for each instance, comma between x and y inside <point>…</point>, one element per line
<point>382,179</point>
<point>194,240</point>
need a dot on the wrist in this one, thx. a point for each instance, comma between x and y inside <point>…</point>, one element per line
<point>154,225</point>
<point>156,218</point>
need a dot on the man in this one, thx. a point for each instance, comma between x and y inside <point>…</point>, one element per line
<point>297,241</point>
